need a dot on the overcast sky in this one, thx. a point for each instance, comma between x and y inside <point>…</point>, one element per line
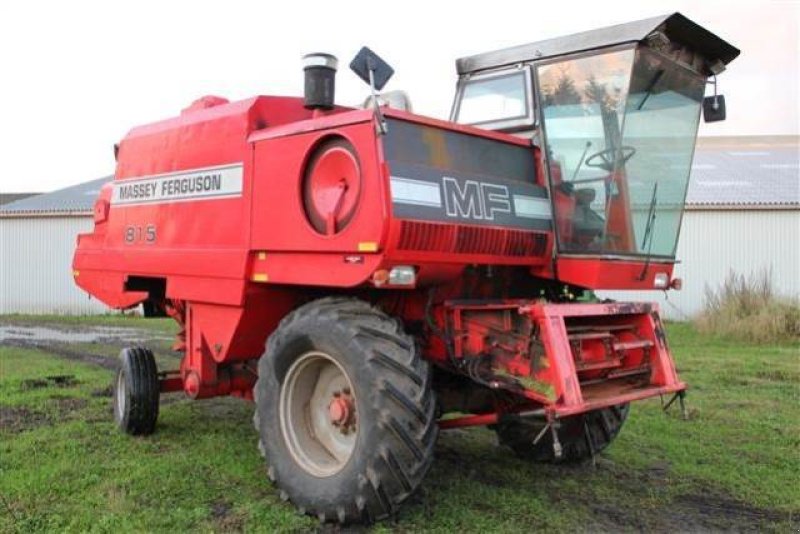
<point>75,76</point>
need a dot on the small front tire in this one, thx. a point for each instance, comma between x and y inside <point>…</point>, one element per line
<point>136,392</point>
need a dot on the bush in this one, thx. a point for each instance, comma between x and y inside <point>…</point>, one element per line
<point>747,308</point>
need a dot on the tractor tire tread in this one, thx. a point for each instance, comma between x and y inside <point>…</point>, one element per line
<point>141,374</point>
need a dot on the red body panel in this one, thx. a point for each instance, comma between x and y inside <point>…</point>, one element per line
<point>277,204</point>
<point>207,216</point>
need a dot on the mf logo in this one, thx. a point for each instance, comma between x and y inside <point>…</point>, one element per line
<point>475,200</point>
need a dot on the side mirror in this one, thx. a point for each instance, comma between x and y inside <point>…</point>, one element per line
<point>371,68</point>
<point>714,108</point>
<point>376,72</point>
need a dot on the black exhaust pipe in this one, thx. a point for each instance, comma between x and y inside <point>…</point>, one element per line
<point>320,83</point>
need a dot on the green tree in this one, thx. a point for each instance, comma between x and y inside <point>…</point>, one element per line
<point>563,93</point>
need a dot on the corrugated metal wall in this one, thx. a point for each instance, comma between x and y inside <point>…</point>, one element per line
<point>36,266</point>
<point>714,242</point>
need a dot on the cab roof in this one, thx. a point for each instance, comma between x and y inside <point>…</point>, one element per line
<point>675,26</point>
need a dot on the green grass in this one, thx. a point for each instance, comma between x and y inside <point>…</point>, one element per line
<point>734,464</point>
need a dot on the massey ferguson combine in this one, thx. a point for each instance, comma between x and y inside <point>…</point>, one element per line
<point>369,276</point>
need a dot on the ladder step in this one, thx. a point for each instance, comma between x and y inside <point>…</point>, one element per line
<point>600,328</point>
<point>632,345</point>
<point>641,370</point>
<point>597,364</point>
<point>589,335</point>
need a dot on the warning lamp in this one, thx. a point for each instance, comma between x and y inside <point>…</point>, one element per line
<point>661,281</point>
<point>380,277</point>
<point>402,275</point>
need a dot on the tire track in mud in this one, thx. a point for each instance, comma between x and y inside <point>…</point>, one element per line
<point>15,419</point>
<point>653,504</point>
<point>62,352</point>
<point>702,509</point>
<point>55,340</point>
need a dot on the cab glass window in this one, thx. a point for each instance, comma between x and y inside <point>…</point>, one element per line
<point>501,99</point>
<point>620,130</point>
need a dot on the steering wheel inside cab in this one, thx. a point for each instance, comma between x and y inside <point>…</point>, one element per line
<point>610,158</point>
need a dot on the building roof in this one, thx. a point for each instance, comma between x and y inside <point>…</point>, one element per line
<point>7,198</point>
<point>75,200</point>
<point>743,172</point>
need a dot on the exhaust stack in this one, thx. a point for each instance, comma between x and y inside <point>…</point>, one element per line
<point>320,80</point>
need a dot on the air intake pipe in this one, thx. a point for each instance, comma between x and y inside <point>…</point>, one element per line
<point>320,80</point>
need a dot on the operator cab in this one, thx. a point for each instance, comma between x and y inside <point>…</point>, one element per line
<point>616,112</point>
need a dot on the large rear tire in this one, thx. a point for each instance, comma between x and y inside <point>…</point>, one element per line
<point>136,392</point>
<point>344,411</point>
<point>580,436</point>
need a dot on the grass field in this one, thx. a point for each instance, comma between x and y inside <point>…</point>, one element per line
<point>734,465</point>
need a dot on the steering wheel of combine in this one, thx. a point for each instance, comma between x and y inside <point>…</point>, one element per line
<point>608,158</point>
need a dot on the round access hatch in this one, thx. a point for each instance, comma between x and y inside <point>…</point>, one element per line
<point>331,186</point>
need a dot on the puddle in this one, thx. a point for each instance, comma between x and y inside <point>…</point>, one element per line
<point>60,340</point>
<point>89,334</point>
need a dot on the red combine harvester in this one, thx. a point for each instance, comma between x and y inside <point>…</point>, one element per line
<point>370,276</point>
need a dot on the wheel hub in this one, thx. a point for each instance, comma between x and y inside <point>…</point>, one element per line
<point>318,413</point>
<point>342,411</point>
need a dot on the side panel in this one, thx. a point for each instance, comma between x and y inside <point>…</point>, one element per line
<point>445,176</point>
<point>189,240</point>
<point>281,232</point>
<point>177,209</point>
<point>457,196</point>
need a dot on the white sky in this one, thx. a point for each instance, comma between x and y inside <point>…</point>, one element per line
<point>76,75</point>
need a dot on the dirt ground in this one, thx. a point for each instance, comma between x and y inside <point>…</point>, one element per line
<point>463,457</point>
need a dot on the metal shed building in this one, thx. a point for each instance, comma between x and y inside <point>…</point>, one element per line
<point>37,238</point>
<point>743,214</point>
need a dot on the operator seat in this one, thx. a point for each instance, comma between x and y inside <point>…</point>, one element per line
<point>393,99</point>
<point>587,224</point>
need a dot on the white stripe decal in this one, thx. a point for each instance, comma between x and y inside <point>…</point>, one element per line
<point>532,207</point>
<point>415,192</point>
<point>208,183</point>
